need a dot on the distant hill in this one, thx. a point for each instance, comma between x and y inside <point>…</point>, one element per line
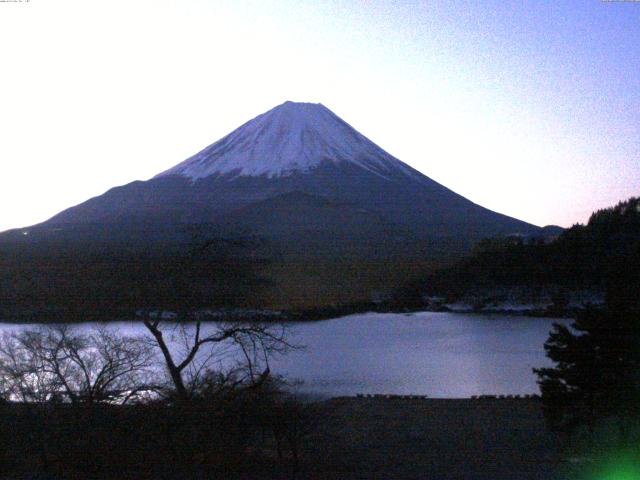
<point>603,254</point>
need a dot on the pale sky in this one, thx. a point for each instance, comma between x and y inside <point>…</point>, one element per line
<point>530,108</point>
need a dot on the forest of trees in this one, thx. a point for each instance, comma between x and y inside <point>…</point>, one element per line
<point>583,256</point>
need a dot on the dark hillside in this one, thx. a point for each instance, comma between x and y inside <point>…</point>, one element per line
<point>599,254</point>
<point>84,281</point>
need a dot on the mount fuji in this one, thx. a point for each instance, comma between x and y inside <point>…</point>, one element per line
<point>331,205</point>
<point>294,157</point>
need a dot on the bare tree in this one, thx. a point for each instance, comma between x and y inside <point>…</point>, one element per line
<point>21,372</point>
<point>198,354</point>
<point>244,347</point>
<point>58,362</point>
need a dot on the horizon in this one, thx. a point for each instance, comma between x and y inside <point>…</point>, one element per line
<point>531,111</point>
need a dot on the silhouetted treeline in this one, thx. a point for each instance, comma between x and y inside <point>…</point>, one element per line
<point>583,256</point>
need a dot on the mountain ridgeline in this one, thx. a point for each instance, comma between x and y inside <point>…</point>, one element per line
<point>331,217</point>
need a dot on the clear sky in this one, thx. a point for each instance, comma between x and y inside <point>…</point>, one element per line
<point>530,108</point>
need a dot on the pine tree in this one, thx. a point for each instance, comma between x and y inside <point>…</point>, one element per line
<point>596,375</point>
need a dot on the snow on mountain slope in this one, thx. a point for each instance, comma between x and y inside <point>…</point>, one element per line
<point>290,138</point>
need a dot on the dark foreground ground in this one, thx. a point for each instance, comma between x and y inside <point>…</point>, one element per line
<point>346,438</point>
<point>377,438</point>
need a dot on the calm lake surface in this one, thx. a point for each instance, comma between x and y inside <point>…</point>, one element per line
<point>426,353</point>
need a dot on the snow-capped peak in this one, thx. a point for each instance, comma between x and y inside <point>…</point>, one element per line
<point>292,137</point>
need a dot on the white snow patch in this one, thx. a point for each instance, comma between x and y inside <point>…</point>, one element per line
<point>459,307</point>
<point>293,137</point>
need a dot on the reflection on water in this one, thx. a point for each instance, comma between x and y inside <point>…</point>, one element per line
<point>434,354</point>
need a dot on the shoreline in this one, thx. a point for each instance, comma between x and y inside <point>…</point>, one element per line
<point>267,316</point>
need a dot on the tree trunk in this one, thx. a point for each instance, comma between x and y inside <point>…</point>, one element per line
<point>174,372</point>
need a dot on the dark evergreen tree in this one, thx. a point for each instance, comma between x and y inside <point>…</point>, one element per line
<point>596,374</point>
<point>597,362</point>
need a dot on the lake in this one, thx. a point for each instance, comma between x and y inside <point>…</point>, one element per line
<point>449,355</point>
